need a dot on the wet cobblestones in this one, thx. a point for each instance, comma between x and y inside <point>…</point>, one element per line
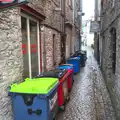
<point>89,97</point>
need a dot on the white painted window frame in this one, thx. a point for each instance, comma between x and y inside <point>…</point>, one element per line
<point>38,41</point>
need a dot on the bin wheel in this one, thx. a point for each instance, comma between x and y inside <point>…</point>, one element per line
<point>68,98</point>
<point>73,82</point>
<point>62,108</point>
<point>54,118</point>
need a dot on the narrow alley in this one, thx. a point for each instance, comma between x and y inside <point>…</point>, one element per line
<point>89,97</point>
<point>59,60</point>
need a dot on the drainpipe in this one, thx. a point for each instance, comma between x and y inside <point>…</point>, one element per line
<point>44,51</point>
<point>65,30</point>
<point>44,48</point>
<point>73,11</point>
<point>80,22</point>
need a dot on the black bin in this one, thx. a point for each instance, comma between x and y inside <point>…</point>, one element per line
<point>83,55</point>
<point>53,74</point>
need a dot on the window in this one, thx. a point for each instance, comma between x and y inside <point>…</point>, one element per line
<point>113,41</point>
<point>30,46</point>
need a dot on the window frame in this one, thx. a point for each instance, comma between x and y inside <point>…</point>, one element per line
<point>28,18</point>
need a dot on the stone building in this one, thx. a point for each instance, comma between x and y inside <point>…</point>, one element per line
<point>77,21</point>
<point>51,34</point>
<point>110,49</point>
<point>32,37</point>
<point>68,27</point>
<point>73,23</point>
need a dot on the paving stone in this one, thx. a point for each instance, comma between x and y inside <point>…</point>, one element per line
<point>89,97</point>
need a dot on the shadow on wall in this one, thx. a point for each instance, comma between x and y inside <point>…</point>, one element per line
<point>76,45</point>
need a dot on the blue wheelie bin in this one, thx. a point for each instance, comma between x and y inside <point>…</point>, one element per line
<point>35,99</point>
<point>76,63</point>
<point>83,55</point>
<point>78,56</point>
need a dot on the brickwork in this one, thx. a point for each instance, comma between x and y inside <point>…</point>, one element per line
<point>73,39</point>
<point>52,17</point>
<point>68,41</point>
<point>69,11</point>
<point>11,59</point>
<point>76,29</point>
<point>11,62</point>
<point>68,27</point>
<point>52,27</point>
<point>49,48</point>
<point>111,19</point>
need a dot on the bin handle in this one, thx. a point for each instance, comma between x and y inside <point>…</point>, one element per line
<point>38,111</point>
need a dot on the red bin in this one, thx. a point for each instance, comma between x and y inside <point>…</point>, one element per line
<point>70,70</point>
<point>62,75</point>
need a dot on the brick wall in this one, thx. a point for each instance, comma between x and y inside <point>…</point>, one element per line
<point>69,11</point>
<point>52,17</point>
<point>52,26</point>
<point>48,51</point>
<point>68,41</point>
<point>73,39</point>
<point>11,62</point>
<point>11,59</point>
<point>68,27</point>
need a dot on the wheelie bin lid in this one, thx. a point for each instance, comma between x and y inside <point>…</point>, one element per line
<point>64,67</point>
<point>58,73</point>
<point>74,58</point>
<point>34,86</point>
<point>80,53</point>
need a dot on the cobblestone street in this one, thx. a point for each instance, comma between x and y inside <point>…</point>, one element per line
<point>89,96</point>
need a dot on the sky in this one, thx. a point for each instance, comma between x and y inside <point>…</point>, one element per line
<point>88,9</point>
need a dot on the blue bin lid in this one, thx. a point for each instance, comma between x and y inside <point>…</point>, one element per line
<point>64,67</point>
<point>75,58</point>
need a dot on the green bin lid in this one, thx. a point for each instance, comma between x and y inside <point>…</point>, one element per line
<point>35,86</point>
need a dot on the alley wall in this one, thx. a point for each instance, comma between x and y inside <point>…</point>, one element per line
<point>111,19</point>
